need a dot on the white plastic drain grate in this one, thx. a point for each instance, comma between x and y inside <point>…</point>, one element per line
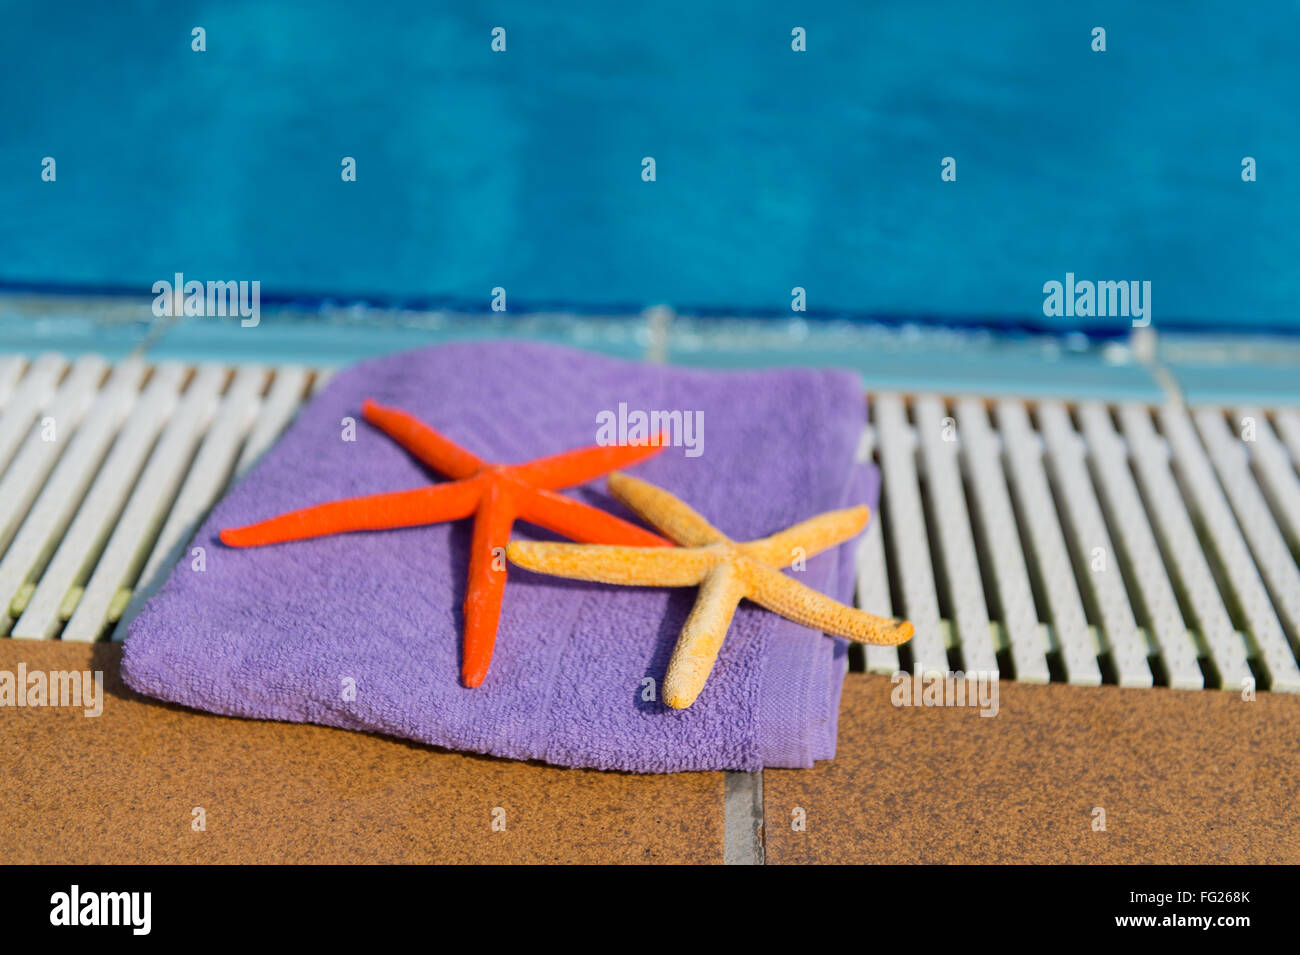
<point>1127,543</point>
<point>1083,542</point>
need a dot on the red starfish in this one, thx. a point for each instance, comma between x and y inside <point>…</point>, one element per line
<point>496,494</point>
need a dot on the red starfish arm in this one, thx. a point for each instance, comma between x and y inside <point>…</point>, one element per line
<point>438,452</point>
<point>487,582</point>
<point>579,522</point>
<point>426,505</point>
<point>571,468</point>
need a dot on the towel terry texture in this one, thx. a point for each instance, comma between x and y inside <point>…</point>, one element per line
<point>362,631</point>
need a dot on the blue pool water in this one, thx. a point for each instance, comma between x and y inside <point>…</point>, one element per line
<point>775,169</point>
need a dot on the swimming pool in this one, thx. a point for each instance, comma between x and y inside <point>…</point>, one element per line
<point>774,168</point>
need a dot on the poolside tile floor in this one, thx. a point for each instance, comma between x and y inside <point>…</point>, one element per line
<point>123,788</point>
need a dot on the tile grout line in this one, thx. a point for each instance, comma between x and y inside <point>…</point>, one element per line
<point>742,819</point>
<point>742,793</point>
<point>1145,348</point>
<point>659,325</point>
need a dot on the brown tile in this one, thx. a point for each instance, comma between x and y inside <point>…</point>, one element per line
<point>121,787</point>
<point>1182,776</point>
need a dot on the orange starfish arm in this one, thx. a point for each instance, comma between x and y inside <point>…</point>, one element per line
<point>808,537</point>
<point>579,466</point>
<point>441,454</point>
<point>579,522</point>
<point>634,566</point>
<point>376,512</point>
<point>665,511</point>
<point>725,571</point>
<point>777,592</point>
<point>487,582</point>
<point>701,638</point>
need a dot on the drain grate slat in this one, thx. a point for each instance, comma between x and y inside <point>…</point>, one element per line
<point>11,371</point>
<point>1229,548</point>
<point>206,479</point>
<point>81,547</point>
<point>147,508</point>
<point>996,524</point>
<point>1156,601</point>
<point>47,521</point>
<point>1188,565</point>
<point>957,563</point>
<point>287,391</point>
<point>1093,555</point>
<point>1288,429</point>
<point>46,441</point>
<point>992,511</point>
<point>905,517</point>
<point>873,575</point>
<point>1028,481</point>
<point>24,403</point>
<point>1277,568</point>
<point>1277,477</point>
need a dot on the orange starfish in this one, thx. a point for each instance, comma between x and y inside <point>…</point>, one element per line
<point>495,494</point>
<point>726,572</point>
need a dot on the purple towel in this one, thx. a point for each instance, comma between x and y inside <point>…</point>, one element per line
<point>282,632</point>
